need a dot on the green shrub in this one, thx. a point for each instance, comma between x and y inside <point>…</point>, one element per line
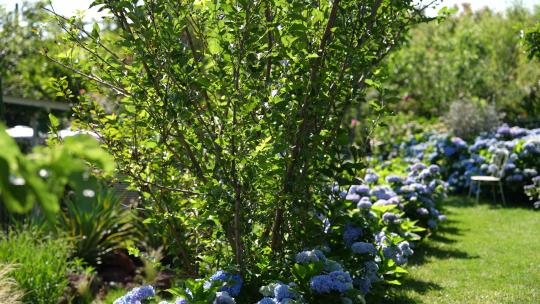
<point>41,264</point>
<point>468,118</point>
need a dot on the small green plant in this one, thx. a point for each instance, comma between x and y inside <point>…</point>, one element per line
<point>42,264</point>
<point>97,225</point>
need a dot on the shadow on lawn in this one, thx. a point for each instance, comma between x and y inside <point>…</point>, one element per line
<point>514,200</point>
<point>397,297</point>
<point>426,251</point>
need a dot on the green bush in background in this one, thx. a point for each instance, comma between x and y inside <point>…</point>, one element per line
<point>474,54</point>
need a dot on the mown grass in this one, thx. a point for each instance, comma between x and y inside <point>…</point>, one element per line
<point>483,254</point>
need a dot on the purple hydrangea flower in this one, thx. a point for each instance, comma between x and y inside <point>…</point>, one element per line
<point>393,179</point>
<point>390,217</point>
<point>364,203</point>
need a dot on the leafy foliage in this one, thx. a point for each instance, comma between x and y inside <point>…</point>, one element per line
<point>43,175</point>
<point>532,41</point>
<point>472,55</point>
<point>228,113</point>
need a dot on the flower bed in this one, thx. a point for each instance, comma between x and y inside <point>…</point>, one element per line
<point>459,160</point>
<point>371,231</point>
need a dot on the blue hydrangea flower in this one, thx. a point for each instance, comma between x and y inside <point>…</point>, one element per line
<point>281,292</point>
<point>417,167</point>
<point>310,256</point>
<point>351,234</point>
<point>321,284</point>
<point>234,282</point>
<point>434,169</point>
<point>371,177</point>
<point>393,179</point>
<point>136,295</point>
<point>353,197</point>
<point>342,281</point>
<point>223,297</point>
<point>267,300</point>
<point>362,189</point>
<point>422,211</point>
<point>405,248</point>
<point>363,248</point>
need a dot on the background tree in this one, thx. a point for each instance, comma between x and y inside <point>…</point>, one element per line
<point>471,55</point>
<point>24,71</point>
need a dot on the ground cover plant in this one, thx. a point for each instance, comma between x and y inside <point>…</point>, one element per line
<point>41,265</point>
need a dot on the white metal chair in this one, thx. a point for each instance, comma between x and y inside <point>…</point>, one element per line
<point>498,161</point>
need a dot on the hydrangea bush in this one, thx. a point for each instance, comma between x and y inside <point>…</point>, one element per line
<point>370,232</point>
<point>459,160</point>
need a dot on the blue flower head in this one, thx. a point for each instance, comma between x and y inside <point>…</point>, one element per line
<point>342,281</point>
<point>351,233</point>
<point>364,203</point>
<point>422,211</point>
<point>393,179</point>
<point>234,282</point>
<point>268,300</point>
<point>371,177</point>
<point>282,291</point>
<point>363,248</point>
<point>223,297</point>
<point>390,217</point>
<point>321,284</point>
<point>310,256</point>
<point>136,295</point>
<point>362,189</point>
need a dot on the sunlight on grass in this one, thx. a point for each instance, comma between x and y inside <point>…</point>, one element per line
<point>483,254</point>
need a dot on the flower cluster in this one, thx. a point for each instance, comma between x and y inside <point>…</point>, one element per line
<point>338,281</point>
<point>136,295</point>
<point>234,282</point>
<point>278,293</point>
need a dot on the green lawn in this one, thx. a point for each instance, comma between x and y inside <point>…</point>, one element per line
<point>482,254</point>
